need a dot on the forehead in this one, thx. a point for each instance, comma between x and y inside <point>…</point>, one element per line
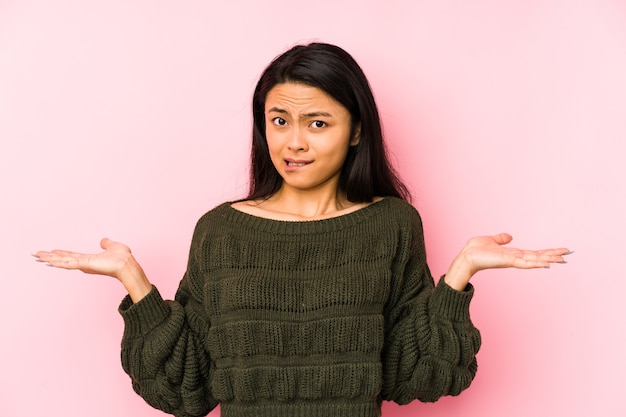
<point>297,96</point>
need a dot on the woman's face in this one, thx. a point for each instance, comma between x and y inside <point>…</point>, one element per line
<point>308,136</point>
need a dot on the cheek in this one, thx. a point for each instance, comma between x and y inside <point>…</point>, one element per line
<point>336,147</point>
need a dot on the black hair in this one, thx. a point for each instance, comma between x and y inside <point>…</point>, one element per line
<point>366,172</point>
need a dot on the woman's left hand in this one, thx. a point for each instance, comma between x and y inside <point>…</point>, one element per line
<point>488,252</point>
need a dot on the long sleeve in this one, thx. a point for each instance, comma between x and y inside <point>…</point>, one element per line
<point>163,348</point>
<point>430,343</point>
<point>312,318</point>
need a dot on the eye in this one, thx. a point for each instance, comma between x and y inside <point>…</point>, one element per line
<point>318,124</point>
<point>279,121</point>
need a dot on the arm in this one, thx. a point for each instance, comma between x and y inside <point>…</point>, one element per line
<point>163,352</point>
<point>164,344</point>
<point>163,348</point>
<point>431,343</point>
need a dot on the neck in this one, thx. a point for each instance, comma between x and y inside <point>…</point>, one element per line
<point>297,205</point>
<point>308,204</point>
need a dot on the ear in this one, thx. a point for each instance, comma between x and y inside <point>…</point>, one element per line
<point>356,135</point>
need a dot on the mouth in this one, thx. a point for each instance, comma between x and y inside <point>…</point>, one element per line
<point>294,163</point>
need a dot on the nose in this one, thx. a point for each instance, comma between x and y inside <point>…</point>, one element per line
<point>297,140</point>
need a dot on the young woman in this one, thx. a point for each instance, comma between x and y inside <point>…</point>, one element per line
<point>312,296</point>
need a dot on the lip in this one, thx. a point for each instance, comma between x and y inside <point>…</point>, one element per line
<point>295,164</point>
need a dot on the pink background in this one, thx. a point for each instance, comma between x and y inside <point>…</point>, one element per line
<point>130,119</point>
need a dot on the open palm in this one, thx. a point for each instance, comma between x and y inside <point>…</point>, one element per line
<point>488,252</point>
<point>112,261</point>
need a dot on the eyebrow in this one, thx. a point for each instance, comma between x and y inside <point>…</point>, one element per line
<point>306,115</point>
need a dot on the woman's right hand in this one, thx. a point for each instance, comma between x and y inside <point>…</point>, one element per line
<point>116,261</point>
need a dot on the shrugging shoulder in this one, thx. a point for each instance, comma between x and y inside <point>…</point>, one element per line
<point>431,343</point>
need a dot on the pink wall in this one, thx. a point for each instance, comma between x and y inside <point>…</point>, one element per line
<point>130,119</point>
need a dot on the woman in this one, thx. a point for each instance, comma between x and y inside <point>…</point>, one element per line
<point>312,296</point>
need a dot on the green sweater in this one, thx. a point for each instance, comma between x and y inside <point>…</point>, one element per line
<point>302,319</point>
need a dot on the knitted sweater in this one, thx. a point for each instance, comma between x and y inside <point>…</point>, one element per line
<point>302,319</point>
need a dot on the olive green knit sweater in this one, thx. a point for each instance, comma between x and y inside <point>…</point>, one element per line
<point>301,319</point>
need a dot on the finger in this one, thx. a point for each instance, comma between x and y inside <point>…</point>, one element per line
<point>527,264</point>
<point>108,244</point>
<point>43,256</point>
<point>503,238</point>
<point>64,255</point>
<point>555,251</point>
<point>39,256</point>
<point>59,262</point>
<point>553,255</point>
<point>543,258</point>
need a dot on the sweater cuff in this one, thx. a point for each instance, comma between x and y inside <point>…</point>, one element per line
<point>140,318</point>
<point>450,303</point>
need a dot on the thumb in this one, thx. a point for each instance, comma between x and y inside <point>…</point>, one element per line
<point>105,243</point>
<point>503,238</point>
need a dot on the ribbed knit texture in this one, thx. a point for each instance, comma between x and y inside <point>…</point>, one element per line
<point>302,319</point>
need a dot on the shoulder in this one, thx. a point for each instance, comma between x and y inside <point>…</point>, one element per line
<point>400,205</point>
<point>216,216</point>
<point>402,211</point>
<point>216,212</point>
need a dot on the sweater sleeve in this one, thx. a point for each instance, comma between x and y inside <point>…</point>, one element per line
<point>163,348</point>
<point>431,343</point>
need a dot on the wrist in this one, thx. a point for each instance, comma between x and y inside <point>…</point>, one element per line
<point>134,280</point>
<point>459,273</point>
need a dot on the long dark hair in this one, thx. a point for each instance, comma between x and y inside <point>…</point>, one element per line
<point>366,172</point>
